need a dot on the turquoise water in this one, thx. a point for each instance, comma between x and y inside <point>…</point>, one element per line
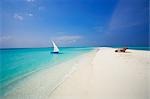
<point>16,64</point>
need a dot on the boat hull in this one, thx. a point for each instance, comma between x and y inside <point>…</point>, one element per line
<point>54,52</point>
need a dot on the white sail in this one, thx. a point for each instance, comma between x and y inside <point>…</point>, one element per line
<point>55,47</point>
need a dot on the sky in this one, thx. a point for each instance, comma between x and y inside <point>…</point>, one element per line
<point>74,23</point>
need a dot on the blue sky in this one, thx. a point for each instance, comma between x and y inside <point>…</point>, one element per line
<point>33,23</point>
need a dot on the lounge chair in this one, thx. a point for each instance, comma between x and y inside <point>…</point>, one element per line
<point>121,50</point>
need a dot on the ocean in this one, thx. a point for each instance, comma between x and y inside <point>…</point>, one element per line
<point>19,63</point>
<point>135,48</point>
<point>140,48</point>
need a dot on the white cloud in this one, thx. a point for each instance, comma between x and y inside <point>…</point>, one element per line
<point>5,38</point>
<point>30,14</point>
<point>66,39</point>
<point>30,0</point>
<point>127,14</point>
<point>18,17</point>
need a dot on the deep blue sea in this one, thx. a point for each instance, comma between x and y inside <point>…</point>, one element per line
<point>18,63</point>
<point>140,48</point>
<point>136,48</point>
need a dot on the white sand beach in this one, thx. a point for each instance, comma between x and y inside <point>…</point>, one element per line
<point>101,74</point>
<point>109,76</point>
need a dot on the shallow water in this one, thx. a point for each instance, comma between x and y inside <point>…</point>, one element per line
<point>19,63</point>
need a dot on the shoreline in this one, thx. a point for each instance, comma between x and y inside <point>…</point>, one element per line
<point>13,83</point>
<point>73,70</point>
<point>24,90</point>
<point>100,73</point>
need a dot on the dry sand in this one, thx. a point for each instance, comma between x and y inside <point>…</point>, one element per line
<point>109,75</point>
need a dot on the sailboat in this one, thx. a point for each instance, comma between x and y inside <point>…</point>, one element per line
<point>56,50</point>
